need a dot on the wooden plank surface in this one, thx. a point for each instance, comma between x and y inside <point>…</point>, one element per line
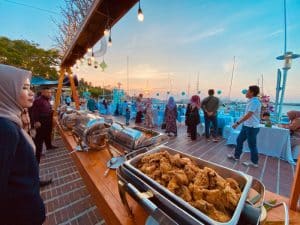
<point>104,190</point>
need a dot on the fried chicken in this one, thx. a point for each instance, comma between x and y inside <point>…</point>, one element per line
<point>203,188</point>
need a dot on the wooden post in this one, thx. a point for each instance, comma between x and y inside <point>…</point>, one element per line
<point>295,192</point>
<point>59,90</point>
<point>73,88</point>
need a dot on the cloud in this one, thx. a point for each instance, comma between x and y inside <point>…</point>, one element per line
<point>203,35</point>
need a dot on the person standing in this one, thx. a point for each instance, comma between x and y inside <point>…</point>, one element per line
<point>294,127</point>
<point>139,109</point>
<point>170,117</point>
<point>68,100</point>
<point>148,114</point>
<point>20,200</point>
<point>210,107</point>
<point>193,118</point>
<point>250,129</point>
<point>41,115</point>
<point>91,104</point>
<point>127,116</point>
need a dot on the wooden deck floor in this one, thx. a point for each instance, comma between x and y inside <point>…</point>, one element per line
<point>277,175</point>
<point>69,203</point>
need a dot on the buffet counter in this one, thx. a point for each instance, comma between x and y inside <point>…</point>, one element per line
<point>104,189</point>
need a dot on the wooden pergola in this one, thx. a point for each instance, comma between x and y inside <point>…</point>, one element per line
<point>90,32</point>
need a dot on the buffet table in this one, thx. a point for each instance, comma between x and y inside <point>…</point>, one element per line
<point>274,141</point>
<point>104,189</point>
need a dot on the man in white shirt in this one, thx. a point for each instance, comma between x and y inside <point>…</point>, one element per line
<point>250,128</point>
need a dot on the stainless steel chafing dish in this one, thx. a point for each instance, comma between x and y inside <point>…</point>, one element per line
<point>133,138</point>
<point>131,179</point>
<point>67,118</point>
<point>90,131</point>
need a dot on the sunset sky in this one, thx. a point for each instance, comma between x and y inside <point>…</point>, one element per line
<point>179,40</point>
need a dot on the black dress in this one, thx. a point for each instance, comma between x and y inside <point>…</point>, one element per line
<point>20,200</point>
<point>192,120</point>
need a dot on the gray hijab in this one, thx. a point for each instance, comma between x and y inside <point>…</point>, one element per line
<point>11,83</point>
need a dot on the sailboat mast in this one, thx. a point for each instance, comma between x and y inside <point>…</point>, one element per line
<point>231,79</point>
<point>127,75</point>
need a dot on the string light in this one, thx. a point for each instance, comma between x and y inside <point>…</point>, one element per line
<point>106,32</point>
<point>140,15</point>
<point>93,57</point>
<point>109,39</point>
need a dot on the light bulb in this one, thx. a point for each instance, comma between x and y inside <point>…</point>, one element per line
<point>106,32</point>
<point>77,61</point>
<point>109,41</point>
<point>89,61</point>
<point>140,15</point>
<point>89,50</point>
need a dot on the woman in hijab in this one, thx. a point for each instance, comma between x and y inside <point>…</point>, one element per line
<point>149,114</point>
<point>20,200</point>
<point>294,127</point>
<point>139,109</point>
<point>192,116</point>
<point>170,117</point>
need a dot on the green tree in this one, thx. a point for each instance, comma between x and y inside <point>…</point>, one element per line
<point>29,56</point>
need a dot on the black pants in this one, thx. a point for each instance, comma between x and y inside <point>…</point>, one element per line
<point>43,134</point>
<point>193,131</point>
<point>208,120</point>
<point>138,118</point>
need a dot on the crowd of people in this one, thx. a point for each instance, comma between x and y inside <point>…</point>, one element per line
<point>26,125</point>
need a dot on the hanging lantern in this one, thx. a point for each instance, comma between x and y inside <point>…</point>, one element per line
<point>103,65</point>
<point>168,92</point>
<point>244,91</point>
<point>183,93</point>
<point>89,62</point>
<point>219,92</point>
<point>199,92</point>
<point>157,94</point>
<point>96,64</point>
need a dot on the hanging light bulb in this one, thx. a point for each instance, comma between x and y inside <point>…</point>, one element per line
<point>96,64</point>
<point>77,62</point>
<point>89,61</point>
<point>140,13</point>
<point>109,39</point>
<point>106,30</point>
<point>93,57</point>
<point>89,50</point>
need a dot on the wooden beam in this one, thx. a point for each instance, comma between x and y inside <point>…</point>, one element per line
<point>73,88</point>
<point>59,90</point>
<point>295,192</point>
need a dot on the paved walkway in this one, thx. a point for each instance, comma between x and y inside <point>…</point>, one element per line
<point>67,199</point>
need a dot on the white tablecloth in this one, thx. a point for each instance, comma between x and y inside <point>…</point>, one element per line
<point>273,141</point>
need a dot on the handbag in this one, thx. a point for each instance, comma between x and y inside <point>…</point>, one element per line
<point>163,126</point>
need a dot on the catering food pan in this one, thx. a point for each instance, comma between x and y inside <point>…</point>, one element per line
<point>133,138</point>
<point>68,119</point>
<point>243,180</point>
<point>91,131</point>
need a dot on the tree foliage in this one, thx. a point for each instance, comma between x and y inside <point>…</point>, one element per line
<point>29,56</point>
<point>95,91</point>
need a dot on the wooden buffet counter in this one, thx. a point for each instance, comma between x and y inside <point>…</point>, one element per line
<point>104,189</point>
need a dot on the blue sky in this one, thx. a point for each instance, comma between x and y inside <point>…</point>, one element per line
<point>180,39</point>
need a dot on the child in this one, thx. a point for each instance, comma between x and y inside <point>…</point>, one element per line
<point>127,116</point>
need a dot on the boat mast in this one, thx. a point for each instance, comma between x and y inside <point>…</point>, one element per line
<point>231,79</point>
